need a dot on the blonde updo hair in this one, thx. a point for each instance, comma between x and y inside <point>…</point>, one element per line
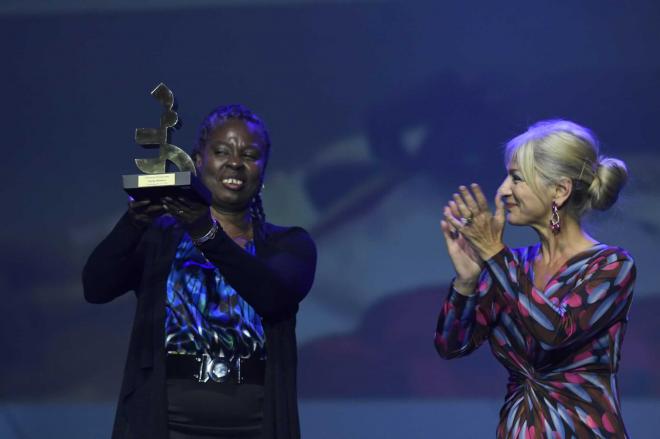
<point>552,149</point>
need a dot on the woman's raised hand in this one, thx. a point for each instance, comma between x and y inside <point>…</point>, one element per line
<point>470,215</point>
<point>194,216</point>
<point>466,261</point>
<point>143,212</point>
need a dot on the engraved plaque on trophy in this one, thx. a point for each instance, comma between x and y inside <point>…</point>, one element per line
<point>156,182</point>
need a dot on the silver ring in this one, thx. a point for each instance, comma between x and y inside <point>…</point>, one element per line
<point>466,221</point>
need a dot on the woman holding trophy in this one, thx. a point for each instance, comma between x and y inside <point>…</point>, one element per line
<point>212,351</point>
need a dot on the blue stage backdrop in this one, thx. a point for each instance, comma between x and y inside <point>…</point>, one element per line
<point>377,112</point>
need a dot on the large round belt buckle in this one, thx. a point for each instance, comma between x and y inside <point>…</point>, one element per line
<point>219,370</point>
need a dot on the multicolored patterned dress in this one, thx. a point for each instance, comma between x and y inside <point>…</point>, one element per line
<point>561,346</point>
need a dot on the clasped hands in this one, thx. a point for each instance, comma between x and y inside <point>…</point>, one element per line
<point>473,234</point>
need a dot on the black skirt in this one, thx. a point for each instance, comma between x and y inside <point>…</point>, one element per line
<point>214,410</point>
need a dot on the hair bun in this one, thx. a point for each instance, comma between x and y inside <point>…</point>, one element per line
<point>610,177</point>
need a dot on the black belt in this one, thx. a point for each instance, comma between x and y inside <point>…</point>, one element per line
<point>204,368</point>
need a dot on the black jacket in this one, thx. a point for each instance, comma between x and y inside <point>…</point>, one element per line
<point>273,282</point>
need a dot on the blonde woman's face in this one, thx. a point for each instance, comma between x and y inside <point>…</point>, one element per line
<point>524,207</point>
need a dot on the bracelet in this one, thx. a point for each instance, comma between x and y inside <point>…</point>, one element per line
<point>209,235</point>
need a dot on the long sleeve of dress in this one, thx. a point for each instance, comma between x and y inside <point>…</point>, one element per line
<point>599,294</point>
<point>115,265</point>
<point>275,280</point>
<point>465,321</point>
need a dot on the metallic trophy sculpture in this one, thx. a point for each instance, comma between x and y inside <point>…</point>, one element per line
<point>156,182</point>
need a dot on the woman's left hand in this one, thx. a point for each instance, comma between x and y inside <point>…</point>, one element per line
<point>470,215</point>
<point>194,216</point>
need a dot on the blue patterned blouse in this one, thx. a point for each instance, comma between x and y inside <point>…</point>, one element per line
<point>204,313</point>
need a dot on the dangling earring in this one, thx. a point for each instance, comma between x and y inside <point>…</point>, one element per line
<point>555,223</point>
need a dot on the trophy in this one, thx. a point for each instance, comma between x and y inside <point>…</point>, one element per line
<point>156,182</point>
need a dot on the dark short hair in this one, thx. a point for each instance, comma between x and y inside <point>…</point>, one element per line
<point>223,113</point>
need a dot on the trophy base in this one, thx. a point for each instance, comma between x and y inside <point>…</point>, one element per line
<point>171,184</point>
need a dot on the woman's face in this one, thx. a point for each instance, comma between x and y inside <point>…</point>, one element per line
<point>524,207</point>
<point>232,162</point>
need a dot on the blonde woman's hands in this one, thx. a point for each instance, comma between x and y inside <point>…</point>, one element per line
<point>468,213</point>
<point>466,260</point>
